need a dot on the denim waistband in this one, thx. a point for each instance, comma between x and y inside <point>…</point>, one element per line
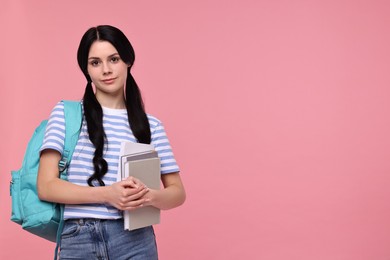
<point>82,221</point>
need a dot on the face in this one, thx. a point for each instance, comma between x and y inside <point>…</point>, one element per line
<point>107,70</point>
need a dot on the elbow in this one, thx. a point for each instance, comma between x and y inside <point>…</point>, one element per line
<point>183,198</point>
<point>180,199</point>
<point>41,191</point>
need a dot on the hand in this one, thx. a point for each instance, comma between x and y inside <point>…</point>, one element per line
<point>150,197</point>
<point>127,194</point>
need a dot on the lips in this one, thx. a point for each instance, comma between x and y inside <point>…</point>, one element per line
<point>109,81</point>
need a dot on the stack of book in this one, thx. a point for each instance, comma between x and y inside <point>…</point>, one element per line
<point>142,162</point>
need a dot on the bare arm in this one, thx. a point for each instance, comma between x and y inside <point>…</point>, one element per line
<point>171,196</point>
<point>124,195</point>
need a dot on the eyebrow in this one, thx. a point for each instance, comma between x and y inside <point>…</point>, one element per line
<point>97,58</point>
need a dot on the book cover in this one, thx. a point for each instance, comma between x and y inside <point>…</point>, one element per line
<point>147,171</point>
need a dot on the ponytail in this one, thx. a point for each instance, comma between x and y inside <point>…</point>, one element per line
<point>94,116</point>
<point>137,117</point>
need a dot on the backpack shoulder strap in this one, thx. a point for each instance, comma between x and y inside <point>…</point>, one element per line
<point>73,119</point>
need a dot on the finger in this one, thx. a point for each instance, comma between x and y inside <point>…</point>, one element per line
<point>135,204</point>
<point>135,195</point>
<point>129,183</point>
<point>136,181</point>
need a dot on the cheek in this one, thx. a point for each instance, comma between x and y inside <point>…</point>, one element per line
<point>89,68</point>
<point>123,72</point>
<point>124,79</point>
<point>92,72</point>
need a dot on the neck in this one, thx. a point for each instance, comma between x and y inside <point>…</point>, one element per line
<point>109,101</point>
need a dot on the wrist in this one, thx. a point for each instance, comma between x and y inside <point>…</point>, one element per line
<point>101,194</point>
<point>151,197</point>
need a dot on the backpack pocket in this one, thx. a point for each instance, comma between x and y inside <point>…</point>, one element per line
<point>35,211</point>
<point>16,214</point>
<point>39,217</point>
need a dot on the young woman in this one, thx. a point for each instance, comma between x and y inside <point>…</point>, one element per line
<point>93,198</point>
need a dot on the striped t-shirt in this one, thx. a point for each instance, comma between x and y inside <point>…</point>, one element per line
<point>116,128</point>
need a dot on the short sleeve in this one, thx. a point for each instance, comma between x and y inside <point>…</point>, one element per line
<point>163,148</point>
<point>55,130</point>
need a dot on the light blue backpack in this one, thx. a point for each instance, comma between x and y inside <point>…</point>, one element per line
<point>44,219</point>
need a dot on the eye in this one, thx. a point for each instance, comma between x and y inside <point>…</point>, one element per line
<point>115,59</point>
<point>94,63</point>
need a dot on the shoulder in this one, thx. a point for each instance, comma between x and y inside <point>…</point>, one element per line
<point>156,126</point>
<point>153,121</point>
<point>57,112</point>
<point>59,106</point>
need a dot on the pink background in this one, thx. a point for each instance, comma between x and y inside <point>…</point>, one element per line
<point>278,113</point>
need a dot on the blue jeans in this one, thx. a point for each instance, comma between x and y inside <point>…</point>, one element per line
<point>106,239</point>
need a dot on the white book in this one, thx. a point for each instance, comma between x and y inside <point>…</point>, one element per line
<point>130,148</point>
<point>142,162</point>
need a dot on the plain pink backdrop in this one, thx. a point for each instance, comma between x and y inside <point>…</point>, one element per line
<point>278,113</point>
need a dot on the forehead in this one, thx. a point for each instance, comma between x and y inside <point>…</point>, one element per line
<point>101,49</point>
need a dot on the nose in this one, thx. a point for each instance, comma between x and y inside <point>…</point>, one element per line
<point>106,68</point>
